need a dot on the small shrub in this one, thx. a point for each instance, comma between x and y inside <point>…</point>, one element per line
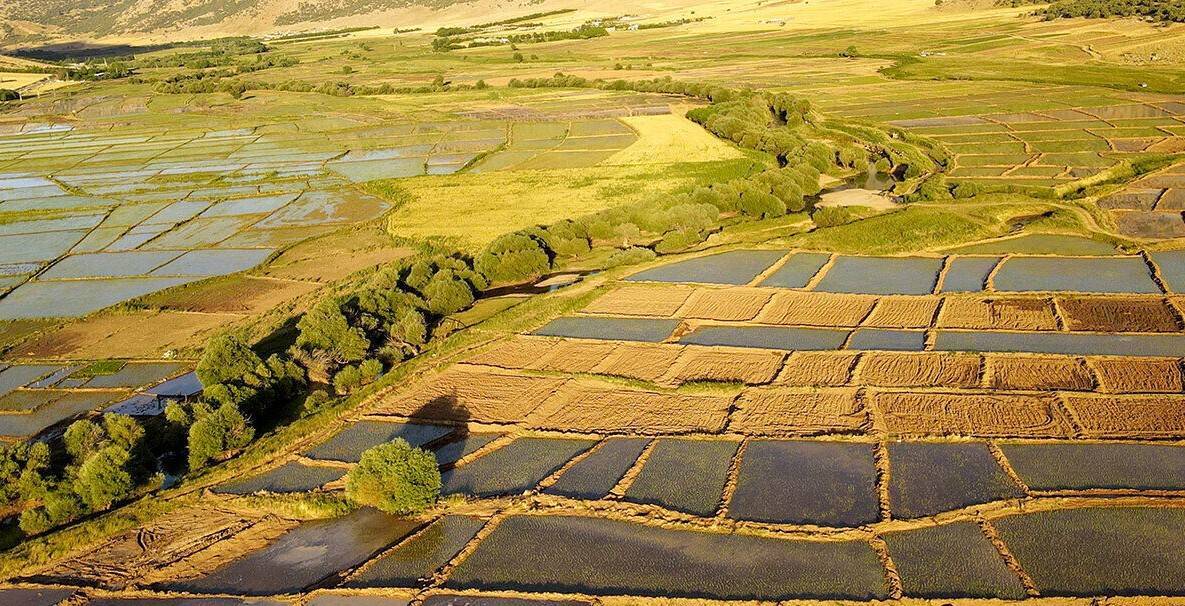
<point>679,240</point>
<point>215,433</point>
<point>831,216</point>
<point>630,256</point>
<point>347,379</point>
<point>396,478</point>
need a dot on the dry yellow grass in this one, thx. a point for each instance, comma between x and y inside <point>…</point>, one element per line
<point>895,369</point>
<point>658,300</point>
<point>727,304</point>
<point>588,405</point>
<point>817,309</point>
<point>725,364</point>
<point>671,138</point>
<point>780,411</point>
<point>19,80</point>
<point>1038,373</point>
<point>818,368</point>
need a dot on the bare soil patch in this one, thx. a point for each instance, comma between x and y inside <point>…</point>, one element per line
<point>596,406</point>
<point>788,412</point>
<point>1039,372</point>
<point>237,294</point>
<point>463,393</point>
<point>982,414</point>
<point>1148,417</point>
<point>817,309</point>
<point>726,364</point>
<point>903,312</point>
<point>894,369</point>
<point>1139,375</point>
<point>997,313</point>
<point>731,304</point>
<point>818,368</point>
<point>662,300</point>
<point>1113,314</point>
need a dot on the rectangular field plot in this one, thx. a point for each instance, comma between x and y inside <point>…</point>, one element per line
<point>305,555</point>
<point>1139,375</point>
<point>736,267</point>
<point>108,265</point>
<point>951,561</point>
<point>1092,275</point>
<point>464,393</point>
<point>597,474</point>
<point>817,309</point>
<point>1109,466</point>
<point>797,271</point>
<point>684,475</point>
<point>349,445</point>
<point>1097,551</point>
<point>1144,416</point>
<point>512,469</point>
<point>973,414</point>
<point>1107,314</point>
<point>20,375</point>
<point>882,339</point>
<point>787,412</point>
<point>800,482</point>
<point>77,298</point>
<point>633,559</point>
<point>1153,345</point>
<point>1005,313</point>
<point>468,444</point>
<point>768,337</point>
<point>968,274</point>
<point>919,370</point>
<point>641,300</point>
<point>727,365</point>
<point>290,477</point>
<point>594,406</point>
<point>138,374</point>
<point>726,304</point>
<point>931,478</point>
<point>882,275</point>
<point>68,405</point>
<point>36,597</point>
<point>617,329</point>
<point>420,556</point>
<point>1172,268</point>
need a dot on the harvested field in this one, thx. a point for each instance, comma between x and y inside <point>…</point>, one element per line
<point>642,361</point>
<point>997,313</point>
<point>931,478</point>
<point>1038,373</point>
<point>305,555</point>
<point>1118,314</point>
<point>729,365</point>
<point>512,469</point>
<point>1147,417</point>
<point>574,355</point>
<point>1050,547</point>
<point>1067,466</point>
<point>817,309</point>
<point>953,560</point>
<point>596,406</point>
<point>462,394</point>
<point>800,482</point>
<point>238,294</point>
<point>517,353</point>
<point>610,328</point>
<point>420,556</point>
<point>890,369</point>
<point>641,300</point>
<point>684,475</point>
<point>349,444</point>
<point>903,312</point>
<point>633,559</point>
<point>767,337</point>
<point>817,368</point>
<point>117,334</point>
<point>131,555</point>
<point>797,271</point>
<point>984,414</point>
<point>1135,375</point>
<point>290,477</point>
<point>735,267</point>
<point>595,475</point>
<point>780,411</point>
<point>730,304</point>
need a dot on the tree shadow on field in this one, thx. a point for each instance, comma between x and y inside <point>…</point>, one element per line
<point>447,408</point>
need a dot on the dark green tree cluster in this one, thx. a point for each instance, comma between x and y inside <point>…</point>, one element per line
<point>98,464</point>
<point>1153,10</point>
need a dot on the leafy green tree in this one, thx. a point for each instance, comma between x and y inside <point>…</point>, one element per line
<point>347,379</point>
<point>395,477</point>
<point>446,293</point>
<point>103,478</point>
<point>326,328</point>
<point>217,432</point>
<point>226,358</point>
<point>82,438</point>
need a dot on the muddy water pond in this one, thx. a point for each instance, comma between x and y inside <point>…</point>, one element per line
<point>305,555</point>
<point>608,557</point>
